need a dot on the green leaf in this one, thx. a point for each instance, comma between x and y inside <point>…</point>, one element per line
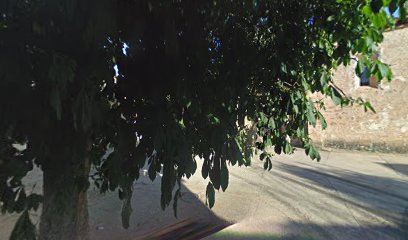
<point>384,70</point>
<point>402,11</point>
<point>323,122</point>
<point>213,119</point>
<point>366,10</point>
<point>324,79</point>
<point>331,18</point>
<point>263,120</point>
<point>336,97</point>
<point>215,174</point>
<point>360,68</point>
<point>310,113</point>
<point>284,68</point>
<point>224,177</point>
<point>393,6</point>
<point>367,105</point>
<point>210,195</point>
<point>369,41</point>
<point>288,148</point>
<point>313,153</point>
<point>205,169</point>
<point>235,153</point>
<point>379,21</point>
<point>376,5</point>
<point>271,123</point>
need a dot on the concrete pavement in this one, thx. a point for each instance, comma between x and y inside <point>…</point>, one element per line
<point>348,195</point>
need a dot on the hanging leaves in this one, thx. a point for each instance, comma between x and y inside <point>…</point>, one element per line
<point>224,176</point>
<point>210,195</point>
<point>213,81</point>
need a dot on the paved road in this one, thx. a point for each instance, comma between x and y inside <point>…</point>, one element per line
<point>345,196</point>
<point>348,195</point>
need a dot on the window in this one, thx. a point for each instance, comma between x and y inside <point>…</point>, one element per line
<point>365,78</point>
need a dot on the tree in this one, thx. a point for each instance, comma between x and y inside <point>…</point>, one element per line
<point>403,12</point>
<point>115,85</point>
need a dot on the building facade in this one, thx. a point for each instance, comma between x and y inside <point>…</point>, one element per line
<point>387,129</point>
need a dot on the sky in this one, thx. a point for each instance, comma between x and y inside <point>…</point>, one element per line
<point>395,14</point>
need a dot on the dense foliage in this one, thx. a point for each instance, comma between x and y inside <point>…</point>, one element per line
<point>188,75</point>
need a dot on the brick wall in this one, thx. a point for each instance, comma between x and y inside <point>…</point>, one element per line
<point>387,130</point>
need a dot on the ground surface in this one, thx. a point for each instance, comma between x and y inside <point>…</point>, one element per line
<point>348,195</point>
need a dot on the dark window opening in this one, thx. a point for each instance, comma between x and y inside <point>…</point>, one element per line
<point>365,78</point>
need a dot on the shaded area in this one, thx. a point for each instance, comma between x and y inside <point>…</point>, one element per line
<point>185,230</point>
<point>317,201</point>
<point>289,227</point>
<point>383,197</point>
<point>399,168</point>
<point>241,236</point>
<point>148,220</point>
<point>346,196</point>
<point>299,199</point>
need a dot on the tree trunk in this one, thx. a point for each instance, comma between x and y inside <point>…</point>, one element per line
<point>65,207</point>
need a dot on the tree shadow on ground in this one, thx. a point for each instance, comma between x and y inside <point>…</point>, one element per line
<point>291,227</point>
<point>382,197</point>
<point>147,217</point>
<point>399,168</point>
<point>148,220</point>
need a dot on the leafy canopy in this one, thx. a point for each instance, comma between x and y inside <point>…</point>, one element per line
<point>188,75</point>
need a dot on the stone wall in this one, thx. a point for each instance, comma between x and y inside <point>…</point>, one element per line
<point>387,130</point>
